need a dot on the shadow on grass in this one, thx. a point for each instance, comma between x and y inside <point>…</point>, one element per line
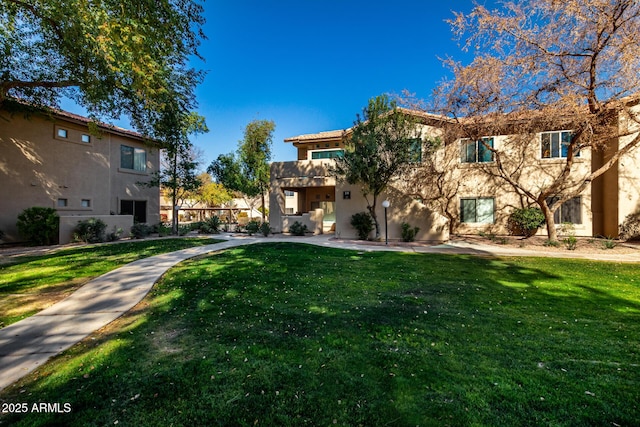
<point>290,334</point>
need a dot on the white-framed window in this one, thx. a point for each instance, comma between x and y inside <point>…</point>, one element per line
<point>288,211</point>
<point>569,211</point>
<point>62,133</point>
<point>555,145</point>
<point>133,158</point>
<point>85,138</point>
<point>289,193</point>
<point>476,151</point>
<point>479,210</point>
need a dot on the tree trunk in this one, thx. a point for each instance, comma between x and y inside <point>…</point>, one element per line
<point>551,225</point>
<point>372,211</point>
<point>263,208</point>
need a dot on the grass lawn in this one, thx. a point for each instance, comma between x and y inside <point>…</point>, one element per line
<point>29,284</point>
<point>288,334</point>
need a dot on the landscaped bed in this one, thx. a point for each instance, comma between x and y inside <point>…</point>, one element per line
<point>293,334</point>
<point>31,283</point>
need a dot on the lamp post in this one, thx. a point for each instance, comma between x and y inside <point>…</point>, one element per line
<point>385,205</point>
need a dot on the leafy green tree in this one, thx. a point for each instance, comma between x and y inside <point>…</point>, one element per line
<point>384,144</point>
<point>210,193</point>
<point>247,171</point>
<point>178,173</point>
<point>115,58</point>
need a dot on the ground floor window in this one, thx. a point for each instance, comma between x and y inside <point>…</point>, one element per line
<point>569,211</point>
<point>477,210</point>
<point>137,208</point>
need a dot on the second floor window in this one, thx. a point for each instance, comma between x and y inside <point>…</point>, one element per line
<point>476,151</point>
<point>133,158</point>
<point>326,154</point>
<point>555,145</point>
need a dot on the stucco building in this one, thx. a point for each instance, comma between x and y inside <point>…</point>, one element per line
<point>63,161</point>
<point>468,198</point>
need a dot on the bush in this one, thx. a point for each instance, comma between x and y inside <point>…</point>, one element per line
<point>39,225</point>
<point>90,231</point>
<point>164,229</point>
<point>630,228</point>
<point>114,234</point>
<point>141,230</point>
<point>525,222</point>
<point>609,243</point>
<point>184,229</point>
<point>298,229</point>
<point>363,223</point>
<point>265,229</point>
<point>570,242</point>
<point>252,227</point>
<point>409,233</point>
<point>210,226</point>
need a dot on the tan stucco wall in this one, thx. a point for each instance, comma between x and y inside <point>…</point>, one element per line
<point>37,168</point>
<point>69,223</point>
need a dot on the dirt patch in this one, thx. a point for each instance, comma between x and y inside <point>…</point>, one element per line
<point>584,245</point>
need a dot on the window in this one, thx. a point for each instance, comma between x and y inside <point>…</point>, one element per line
<point>476,151</point>
<point>62,133</point>
<point>137,208</point>
<point>569,211</point>
<point>478,210</point>
<point>63,203</point>
<point>326,154</point>
<point>133,158</point>
<point>85,203</point>
<point>415,151</point>
<point>85,138</point>
<point>288,211</point>
<point>555,144</point>
<point>289,193</point>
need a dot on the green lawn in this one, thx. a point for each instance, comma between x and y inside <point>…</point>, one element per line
<point>28,284</point>
<point>290,334</point>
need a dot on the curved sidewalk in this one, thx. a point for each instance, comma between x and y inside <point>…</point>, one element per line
<point>27,344</point>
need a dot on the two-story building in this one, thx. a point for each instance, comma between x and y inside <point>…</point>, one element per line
<point>82,169</point>
<point>464,197</point>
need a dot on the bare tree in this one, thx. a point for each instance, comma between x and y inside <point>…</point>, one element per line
<point>545,65</point>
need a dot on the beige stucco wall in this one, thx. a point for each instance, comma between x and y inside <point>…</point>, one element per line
<point>629,174</point>
<point>37,168</point>
<point>69,223</point>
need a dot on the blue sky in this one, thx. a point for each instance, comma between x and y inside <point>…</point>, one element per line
<point>312,65</point>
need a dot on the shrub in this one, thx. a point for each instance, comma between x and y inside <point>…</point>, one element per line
<point>210,226</point>
<point>114,234</point>
<point>363,223</point>
<point>408,232</point>
<point>164,229</point>
<point>140,230</point>
<point>39,225</point>
<point>90,230</point>
<point>609,243</point>
<point>265,229</point>
<point>298,229</point>
<point>525,222</point>
<point>252,227</point>
<point>630,228</point>
<point>570,242</point>
<point>552,243</point>
<point>184,229</point>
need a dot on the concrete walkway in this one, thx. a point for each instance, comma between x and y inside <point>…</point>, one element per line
<point>27,344</point>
